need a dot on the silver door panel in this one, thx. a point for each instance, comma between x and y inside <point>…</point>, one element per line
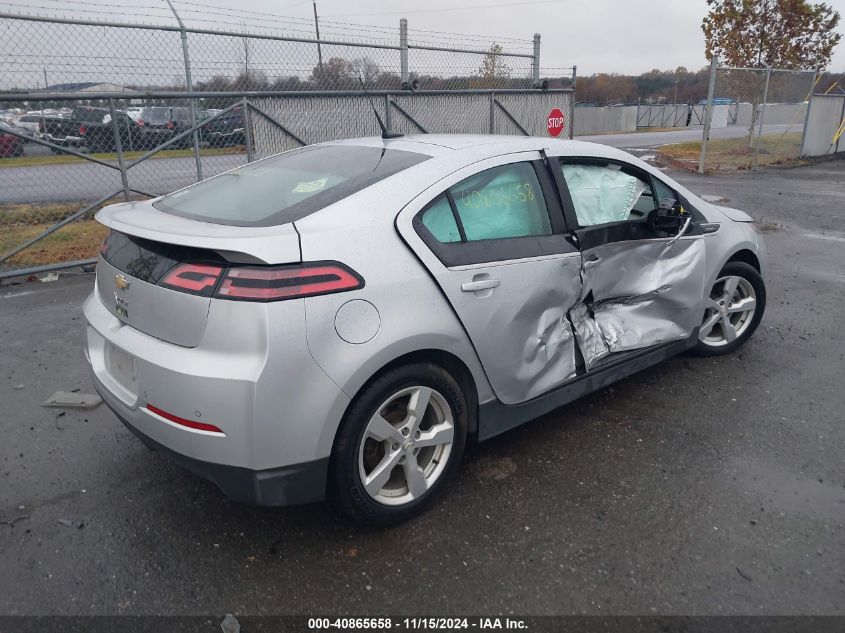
<point>519,327</point>
<point>637,294</point>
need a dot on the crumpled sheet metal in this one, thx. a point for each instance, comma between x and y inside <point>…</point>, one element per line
<point>588,334</point>
<point>638,295</point>
<point>522,336</point>
<point>547,356</point>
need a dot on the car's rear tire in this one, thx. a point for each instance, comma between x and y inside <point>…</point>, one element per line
<point>735,306</point>
<point>402,439</point>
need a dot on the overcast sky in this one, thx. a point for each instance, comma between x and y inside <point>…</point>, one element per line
<point>624,36</point>
<point>612,36</point>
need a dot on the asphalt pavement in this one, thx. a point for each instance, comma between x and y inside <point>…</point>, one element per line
<point>700,486</point>
<point>84,180</point>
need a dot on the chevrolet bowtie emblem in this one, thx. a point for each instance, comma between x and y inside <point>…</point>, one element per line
<point>121,282</point>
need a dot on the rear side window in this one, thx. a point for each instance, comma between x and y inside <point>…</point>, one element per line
<point>502,202</point>
<point>440,221</point>
<point>289,186</point>
<point>498,203</point>
<point>155,115</point>
<point>89,115</point>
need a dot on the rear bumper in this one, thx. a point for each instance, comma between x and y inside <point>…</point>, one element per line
<point>251,376</point>
<point>288,485</point>
<point>65,141</point>
<point>221,138</point>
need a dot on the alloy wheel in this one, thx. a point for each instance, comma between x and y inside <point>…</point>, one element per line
<point>406,445</point>
<point>730,311</point>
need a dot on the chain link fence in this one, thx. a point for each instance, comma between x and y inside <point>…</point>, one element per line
<point>766,109</point>
<point>60,53</point>
<point>115,148</point>
<point>97,108</point>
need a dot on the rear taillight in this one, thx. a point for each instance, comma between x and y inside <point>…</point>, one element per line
<point>140,122</point>
<point>197,279</point>
<point>275,284</point>
<point>169,125</point>
<point>82,130</point>
<point>265,283</point>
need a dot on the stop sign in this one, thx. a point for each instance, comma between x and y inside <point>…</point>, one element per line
<point>554,124</point>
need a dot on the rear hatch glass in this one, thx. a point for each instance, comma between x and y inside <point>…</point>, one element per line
<point>156,115</point>
<point>287,187</point>
<point>89,115</point>
<point>127,281</point>
<point>226,122</point>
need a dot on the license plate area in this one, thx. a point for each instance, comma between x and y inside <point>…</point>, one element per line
<point>123,368</point>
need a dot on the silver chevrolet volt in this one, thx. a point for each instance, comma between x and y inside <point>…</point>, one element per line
<point>341,319</point>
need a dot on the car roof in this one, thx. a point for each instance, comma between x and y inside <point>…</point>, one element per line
<point>474,147</point>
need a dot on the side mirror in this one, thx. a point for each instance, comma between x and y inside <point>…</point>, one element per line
<point>669,216</point>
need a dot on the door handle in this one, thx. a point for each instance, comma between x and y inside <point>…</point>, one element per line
<point>484,284</point>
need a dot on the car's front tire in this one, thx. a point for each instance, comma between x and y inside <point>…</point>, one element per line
<point>734,308</point>
<point>400,442</point>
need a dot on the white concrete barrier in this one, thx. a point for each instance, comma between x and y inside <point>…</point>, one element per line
<point>590,120</point>
<point>827,114</point>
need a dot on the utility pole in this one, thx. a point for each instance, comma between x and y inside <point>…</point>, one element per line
<point>319,48</point>
<point>46,85</point>
<point>675,98</point>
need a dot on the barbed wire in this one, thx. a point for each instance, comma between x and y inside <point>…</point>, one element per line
<point>238,20</point>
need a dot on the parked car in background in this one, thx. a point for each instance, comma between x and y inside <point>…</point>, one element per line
<point>12,126</point>
<point>158,124</point>
<point>341,319</point>
<point>226,130</point>
<point>29,122</point>
<point>134,113</point>
<point>90,128</point>
<point>11,146</point>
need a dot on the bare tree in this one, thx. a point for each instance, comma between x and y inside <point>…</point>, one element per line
<point>493,67</point>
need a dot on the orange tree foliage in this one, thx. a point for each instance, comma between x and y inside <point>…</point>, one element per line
<point>778,33</point>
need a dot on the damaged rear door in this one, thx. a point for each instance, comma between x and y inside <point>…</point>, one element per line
<point>494,240</point>
<point>640,286</point>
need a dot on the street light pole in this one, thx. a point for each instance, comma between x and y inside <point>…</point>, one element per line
<point>675,98</point>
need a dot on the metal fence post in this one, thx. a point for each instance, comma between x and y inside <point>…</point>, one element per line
<point>250,150</point>
<point>403,52</point>
<point>756,158</point>
<point>535,62</point>
<point>816,77</point>
<point>492,113</point>
<point>708,112</point>
<point>572,103</point>
<point>118,148</point>
<point>193,108</point>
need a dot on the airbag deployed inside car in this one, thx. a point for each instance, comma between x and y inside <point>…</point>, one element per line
<point>602,193</point>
